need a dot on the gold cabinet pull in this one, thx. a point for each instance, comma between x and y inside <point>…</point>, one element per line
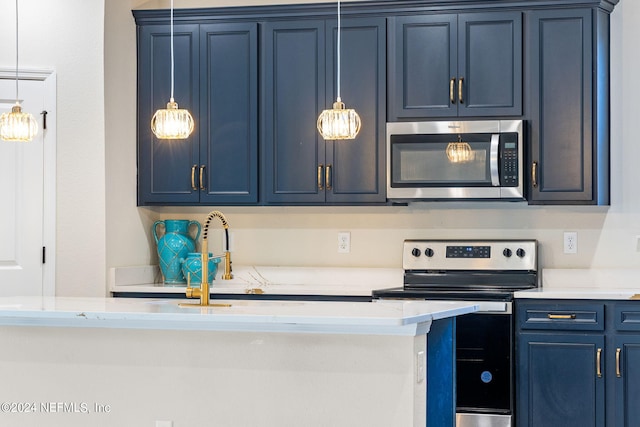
<point>193,177</point>
<point>561,316</point>
<point>327,178</point>
<point>618,372</point>
<point>534,174</point>
<point>599,363</point>
<point>320,167</point>
<point>460,84</point>
<point>452,85</point>
<point>201,177</point>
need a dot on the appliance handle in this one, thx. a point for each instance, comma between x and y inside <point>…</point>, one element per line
<point>495,174</point>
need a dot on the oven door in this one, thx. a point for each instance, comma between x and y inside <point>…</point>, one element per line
<point>484,364</point>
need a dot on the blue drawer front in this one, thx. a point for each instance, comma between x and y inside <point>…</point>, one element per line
<point>627,316</point>
<point>561,316</point>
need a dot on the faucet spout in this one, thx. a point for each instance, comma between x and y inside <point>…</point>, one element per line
<point>203,291</point>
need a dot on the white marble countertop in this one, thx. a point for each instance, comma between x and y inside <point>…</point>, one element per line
<point>601,284</point>
<point>375,318</point>
<point>268,280</point>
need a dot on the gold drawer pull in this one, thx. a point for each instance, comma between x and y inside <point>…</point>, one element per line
<point>534,174</point>
<point>460,83</point>
<point>561,316</point>
<point>327,178</point>
<point>618,373</point>
<point>599,363</point>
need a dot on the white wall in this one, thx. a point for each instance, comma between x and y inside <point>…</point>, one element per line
<point>307,235</point>
<point>67,36</point>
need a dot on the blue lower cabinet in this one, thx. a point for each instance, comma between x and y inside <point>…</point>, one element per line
<point>578,363</point>
<point>627,380</point>
<point>561,381</point>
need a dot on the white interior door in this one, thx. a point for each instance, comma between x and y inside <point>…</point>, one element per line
<point>22,197</point>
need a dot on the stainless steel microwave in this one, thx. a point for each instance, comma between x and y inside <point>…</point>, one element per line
<point>462,160</point>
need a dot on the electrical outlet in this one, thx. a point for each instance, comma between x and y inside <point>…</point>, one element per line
<point>637,243</point>
<point>570,242</point>
<point>164,423</point>
<point>344,242</point>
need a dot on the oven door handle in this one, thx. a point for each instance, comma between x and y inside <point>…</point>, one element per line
<point>495,174</point>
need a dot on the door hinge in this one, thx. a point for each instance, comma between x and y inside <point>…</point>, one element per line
<point>44,119</point>
<point>44,254</point>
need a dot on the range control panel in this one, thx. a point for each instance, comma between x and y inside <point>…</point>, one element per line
<point>505,255</point>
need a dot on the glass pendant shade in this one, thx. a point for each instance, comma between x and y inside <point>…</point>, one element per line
<point>18,126</point>
<point>459,152</point>
<point>339,122</point>
<point>172,122</point>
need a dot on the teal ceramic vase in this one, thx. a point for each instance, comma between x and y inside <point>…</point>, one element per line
<point>192,266</point>
<point>173,246</point>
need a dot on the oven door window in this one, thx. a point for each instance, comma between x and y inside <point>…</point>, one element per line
<point>484,363</point>
<point>441,160</point>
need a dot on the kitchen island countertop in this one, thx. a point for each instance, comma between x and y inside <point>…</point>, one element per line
<point>380,317</point>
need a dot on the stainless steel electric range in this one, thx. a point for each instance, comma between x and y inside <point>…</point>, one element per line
<point>488,272</point>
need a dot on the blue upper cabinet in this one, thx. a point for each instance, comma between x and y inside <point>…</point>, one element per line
<point>216,79</point>
<point>294,95</point>
<point>229,113</point>
<point>165,166</point>
<point>299,82</point>
<point>569,99</point>
<point>455,65</point>
<point>256,78</point>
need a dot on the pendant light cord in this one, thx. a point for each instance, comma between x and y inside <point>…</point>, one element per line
<point>172,60</point>
<point>338,52</point>
<point>17,96</point>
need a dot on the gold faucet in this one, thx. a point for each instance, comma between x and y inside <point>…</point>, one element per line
<point>203,291</point>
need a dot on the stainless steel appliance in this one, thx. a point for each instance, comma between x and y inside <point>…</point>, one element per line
<point>478,160</point>
<point>488,272</point>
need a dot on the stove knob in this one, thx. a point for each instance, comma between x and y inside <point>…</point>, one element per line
<point>415,252</point>
<point>428,252</point>
<point>507,252</point>
<point>520,252</point>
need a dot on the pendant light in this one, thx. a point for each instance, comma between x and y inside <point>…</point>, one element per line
<point>172,122</point>
<point>459,152</point>
<point>16,125</point>
<point>339,122</point>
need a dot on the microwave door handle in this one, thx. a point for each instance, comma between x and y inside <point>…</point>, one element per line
<point>495,174</point>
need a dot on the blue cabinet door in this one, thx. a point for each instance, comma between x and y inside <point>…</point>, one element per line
<point>490,64</point>
<point>356,167</point>
<point>455,65</point>
<point>569,99</point>
<point>626,362</point>
<point>229,113</point>
<point>300,80</point>
<point>294,64</point>
<point>165,166</point>
<point>560,380</point>
<point>422,66</point>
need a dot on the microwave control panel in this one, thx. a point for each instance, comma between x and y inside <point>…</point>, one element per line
<point>509,160</point>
